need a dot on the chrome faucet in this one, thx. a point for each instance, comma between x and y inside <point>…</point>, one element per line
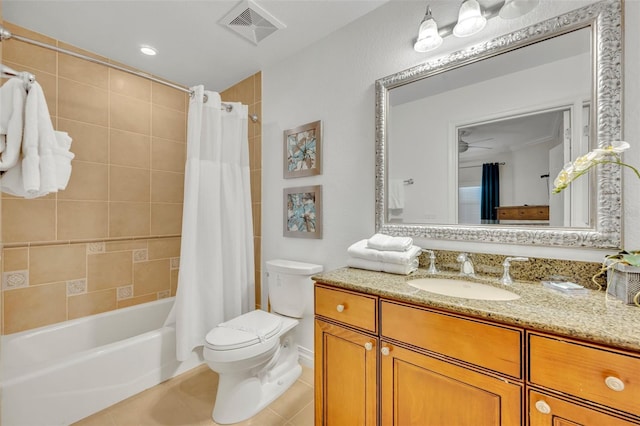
<point>506,278</point>
<point>466,265</point>
<point>432,262</point>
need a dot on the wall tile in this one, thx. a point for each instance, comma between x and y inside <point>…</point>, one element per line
<point>255,129</point>
<point>90,142</point>
<point>168,155</point>
<point>129,114</point>
<point>109,270</point>
<point>256,213</point>
<point>151,277</point>
<point>83,305</point>
<point>130,85</point>
<point>258,87</point>
<point>137,300</point>
<point>32,307</point>
<point>126,245</point>
<point>48,264</point>
<point>245,91</point>
<point>167,187</point>
<point>78,220</point>
<point>81,102</point>
<point>28,220</point>
<point>129,184</point>
<point>164,248</point>
<point>88,182</point>
<point>168,124</point>
<point>15,259</point>
<point>129,219</point>
<point>28,54</point>
<point>166,219</point>
<point>169,97</point>
<point>81,70</point>
<point>256,184</point>
<point>255,162</point>
<point>129,149</point>
<point>47,81</point>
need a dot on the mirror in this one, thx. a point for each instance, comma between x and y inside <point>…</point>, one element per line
<point>514,109</point>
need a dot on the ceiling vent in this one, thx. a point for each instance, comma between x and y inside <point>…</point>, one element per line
<point>251,22</point>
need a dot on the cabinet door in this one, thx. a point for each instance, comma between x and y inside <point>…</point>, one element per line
<point>545,410</point>
<point>345,376</point>
<point>420,390</point>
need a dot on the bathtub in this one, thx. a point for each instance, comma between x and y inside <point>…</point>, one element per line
<point>59,374</point>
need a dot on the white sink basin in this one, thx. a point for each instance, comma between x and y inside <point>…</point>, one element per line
<point>462,289</point>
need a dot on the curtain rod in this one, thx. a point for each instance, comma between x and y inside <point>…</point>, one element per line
<point>479,165</point>
<point>6,35</point>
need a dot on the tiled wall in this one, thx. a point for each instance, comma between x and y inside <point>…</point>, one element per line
<point>249,92</point>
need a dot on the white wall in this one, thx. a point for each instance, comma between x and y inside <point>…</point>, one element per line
<point>333,81</point>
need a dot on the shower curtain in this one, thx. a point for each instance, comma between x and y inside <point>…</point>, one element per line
<point>490,193</point>
<point>216,277</point>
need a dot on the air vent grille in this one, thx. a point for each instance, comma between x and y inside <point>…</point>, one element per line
<point>251,22</point>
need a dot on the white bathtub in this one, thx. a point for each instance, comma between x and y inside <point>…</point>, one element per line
<point>59,374</point>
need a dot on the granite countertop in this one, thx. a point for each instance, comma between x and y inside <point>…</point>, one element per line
<point>592,317</point>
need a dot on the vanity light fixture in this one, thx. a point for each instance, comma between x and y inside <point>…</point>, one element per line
<point>516,8</point>
<point>428,37</point>
<point>148,50</point>
<point>470,19</point>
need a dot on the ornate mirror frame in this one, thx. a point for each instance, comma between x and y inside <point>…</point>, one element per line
<point>604,18</point>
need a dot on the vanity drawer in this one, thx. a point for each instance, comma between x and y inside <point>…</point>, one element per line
<point>349,308</point>
<point>588,372</point>
<point>493,347</point>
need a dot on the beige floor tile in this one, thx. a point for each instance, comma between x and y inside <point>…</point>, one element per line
<point>101,418</point>
<point>307,375</point>
<point>293,400</point>
<point>305,417</point>
<point>266,417</point>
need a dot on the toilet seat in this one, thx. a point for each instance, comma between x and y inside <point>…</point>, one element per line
<point>249,329</point>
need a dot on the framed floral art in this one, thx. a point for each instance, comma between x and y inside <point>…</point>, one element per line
<point>303,212</point>
<point>302,150</point>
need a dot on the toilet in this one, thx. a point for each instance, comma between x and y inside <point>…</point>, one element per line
<point>255,354</point>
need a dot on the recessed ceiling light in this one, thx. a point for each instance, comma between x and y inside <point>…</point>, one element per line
<point>148,50</point>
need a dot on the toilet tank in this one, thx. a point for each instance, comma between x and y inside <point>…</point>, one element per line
<point>287,282</point>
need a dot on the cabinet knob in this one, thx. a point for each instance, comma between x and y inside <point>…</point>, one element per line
<point>340,308</point>
<point>385,350</point>
<point>614,383</point>
<point>368,346</point>
<point>543,407</point>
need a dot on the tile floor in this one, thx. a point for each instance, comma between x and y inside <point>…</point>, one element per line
<point>188,400</point>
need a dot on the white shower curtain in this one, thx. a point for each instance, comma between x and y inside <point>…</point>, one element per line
<point>216,278</point>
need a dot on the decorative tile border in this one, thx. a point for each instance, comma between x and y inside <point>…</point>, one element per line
<point>96,248</point>
<point>164,294</point>
<point>175,263</point>
<point>125,292</point>
<point>141,255</point>
<point>76,287</point>
<point>15,279</point>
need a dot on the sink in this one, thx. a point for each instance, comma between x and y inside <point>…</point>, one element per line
<point>462,289</point>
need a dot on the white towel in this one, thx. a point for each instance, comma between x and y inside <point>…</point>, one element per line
<point>38,163</point>
<point>395,197</point>
<point>387,242</point>
<point>391,268</point>
<point>361,251</point>
<point>12,104</point>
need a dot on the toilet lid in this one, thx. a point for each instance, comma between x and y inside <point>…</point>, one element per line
<point>246,330</point>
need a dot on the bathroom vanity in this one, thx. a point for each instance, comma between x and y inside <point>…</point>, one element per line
<point>390,354</point>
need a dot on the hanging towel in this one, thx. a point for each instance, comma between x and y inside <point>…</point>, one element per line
<point>392,268</point>
<point>12,103</point>
<point>387,242</point>
<point>38,164</point>
<point>396,194</point>
<point>361,251</point>
<point>12,181</point>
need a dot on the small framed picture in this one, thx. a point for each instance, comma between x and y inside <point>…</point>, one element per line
<point>303,212</point>
<point>302,150</point>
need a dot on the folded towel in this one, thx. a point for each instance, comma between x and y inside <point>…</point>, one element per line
<point>392,268</point>
<point>395,196</point>
<point>12,104</point>
<point>387,242</point>
<point>361,251</point>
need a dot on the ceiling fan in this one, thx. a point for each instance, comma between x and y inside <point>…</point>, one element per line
<point>464,146</point>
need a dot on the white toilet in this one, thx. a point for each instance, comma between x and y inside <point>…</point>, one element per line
<point>255,354</point>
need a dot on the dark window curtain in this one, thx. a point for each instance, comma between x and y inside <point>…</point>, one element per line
<point>490,197</point>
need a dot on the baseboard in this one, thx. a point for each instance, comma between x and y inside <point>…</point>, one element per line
<point>306,356</point>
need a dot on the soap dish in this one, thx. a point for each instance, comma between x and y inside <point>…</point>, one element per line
<point>565,287</point>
